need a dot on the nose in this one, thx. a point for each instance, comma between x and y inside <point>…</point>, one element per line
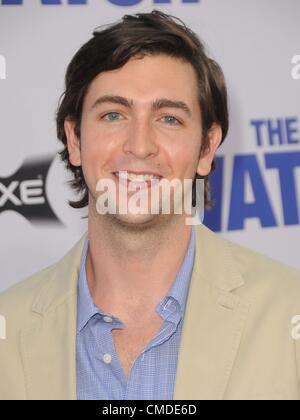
<point>141,141</point>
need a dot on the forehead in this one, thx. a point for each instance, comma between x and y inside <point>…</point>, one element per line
<point>144,79</point>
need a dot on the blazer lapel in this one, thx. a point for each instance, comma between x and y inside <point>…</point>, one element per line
<point>48,344</point>
<point>213,322</point>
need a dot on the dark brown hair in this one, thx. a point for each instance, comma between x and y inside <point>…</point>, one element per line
<point>138,35</point>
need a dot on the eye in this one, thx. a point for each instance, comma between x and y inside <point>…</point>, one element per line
<point>171,120</point>
<point>112,116</point>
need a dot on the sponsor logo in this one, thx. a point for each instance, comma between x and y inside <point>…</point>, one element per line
<point>25,193</point>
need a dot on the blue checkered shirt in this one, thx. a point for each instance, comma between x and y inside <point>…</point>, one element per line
<point>152,376</point>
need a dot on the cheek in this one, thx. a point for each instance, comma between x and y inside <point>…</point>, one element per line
<point>97,140</point>
<point>185,160</point>
<point>93,146</point>
<point>92,157</point>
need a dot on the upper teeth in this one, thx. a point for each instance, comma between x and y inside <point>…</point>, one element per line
<point>136,177</point>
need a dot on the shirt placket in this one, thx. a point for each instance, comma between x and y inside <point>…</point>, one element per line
<point>107,354</point>
<point>169,312</point>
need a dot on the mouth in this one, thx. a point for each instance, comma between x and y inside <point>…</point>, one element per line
<point>135,180</point>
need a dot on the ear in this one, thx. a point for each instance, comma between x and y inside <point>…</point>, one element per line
<point>73,142</point>
<point>206,158</point>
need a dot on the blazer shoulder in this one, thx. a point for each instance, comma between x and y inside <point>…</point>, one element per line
<point>49,283</point>
<point>23,293</point>
<point>258,269</point>
<point>254,268</point>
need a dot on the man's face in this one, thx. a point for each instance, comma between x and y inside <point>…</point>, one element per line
<point>134,135</point>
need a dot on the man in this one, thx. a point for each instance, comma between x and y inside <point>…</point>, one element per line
<point>147,306</point>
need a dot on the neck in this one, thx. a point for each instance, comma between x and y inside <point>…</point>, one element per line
<point>130,267</point>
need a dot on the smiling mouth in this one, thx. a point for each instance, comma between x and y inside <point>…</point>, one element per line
<point>136,180</point>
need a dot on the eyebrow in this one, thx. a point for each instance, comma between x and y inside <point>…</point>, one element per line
<point>155,106</point>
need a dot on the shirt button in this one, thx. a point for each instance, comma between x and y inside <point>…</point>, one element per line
<point>107,319</point>
<point>107,358</point>
<point>167,305</point>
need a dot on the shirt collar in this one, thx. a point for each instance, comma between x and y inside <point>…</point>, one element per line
<point>86,308</point>
<point>180,287</point>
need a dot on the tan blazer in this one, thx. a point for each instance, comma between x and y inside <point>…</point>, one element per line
<point>237,336</point>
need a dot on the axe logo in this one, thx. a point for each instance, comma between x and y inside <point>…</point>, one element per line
<point>24,192</point>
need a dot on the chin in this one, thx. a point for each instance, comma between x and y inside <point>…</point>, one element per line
<point>136,221</point>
